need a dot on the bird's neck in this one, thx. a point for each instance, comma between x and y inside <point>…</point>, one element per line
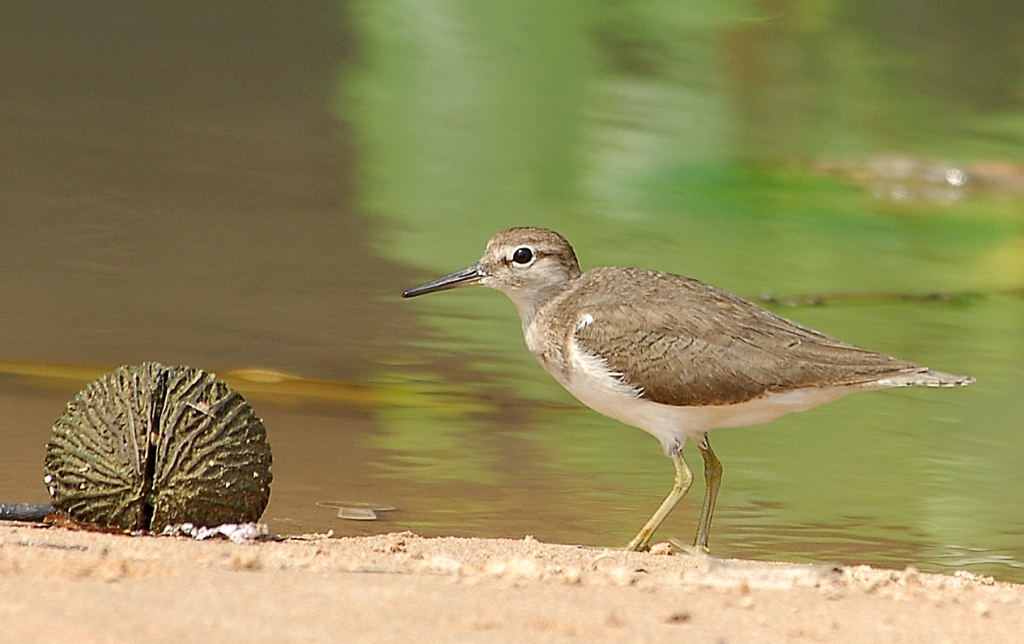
<point>529,301</point>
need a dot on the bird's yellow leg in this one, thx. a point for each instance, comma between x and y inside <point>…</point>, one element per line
<point>713,478</point>
<point>684,477</point>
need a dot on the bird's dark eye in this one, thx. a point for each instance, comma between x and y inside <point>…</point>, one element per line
<point>522,255</point>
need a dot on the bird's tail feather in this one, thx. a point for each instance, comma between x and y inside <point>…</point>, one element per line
<point>924,377</point>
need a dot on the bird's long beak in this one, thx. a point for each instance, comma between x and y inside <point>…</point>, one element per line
<point>469,275</point>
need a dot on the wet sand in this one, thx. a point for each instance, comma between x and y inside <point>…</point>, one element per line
<point>62,585</point>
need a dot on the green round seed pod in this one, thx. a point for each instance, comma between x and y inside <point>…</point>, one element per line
<point>147,446</point>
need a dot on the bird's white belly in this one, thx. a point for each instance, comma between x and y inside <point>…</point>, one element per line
<point>596,386</point>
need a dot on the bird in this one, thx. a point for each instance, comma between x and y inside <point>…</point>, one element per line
<point>671,355</point>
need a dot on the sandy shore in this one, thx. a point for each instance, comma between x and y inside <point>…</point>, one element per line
<point>61,585</point>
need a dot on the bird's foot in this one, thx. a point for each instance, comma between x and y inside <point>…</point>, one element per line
<point>696,550</point>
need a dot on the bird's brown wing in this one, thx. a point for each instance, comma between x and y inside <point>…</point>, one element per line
<point>684,342</point>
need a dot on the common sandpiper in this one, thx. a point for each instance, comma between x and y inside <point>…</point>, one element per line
<point>669,354</point>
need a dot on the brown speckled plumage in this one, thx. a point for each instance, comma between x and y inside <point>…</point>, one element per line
<point>684,342</point>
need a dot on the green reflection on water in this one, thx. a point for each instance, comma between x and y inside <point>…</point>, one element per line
<point>665,136</point>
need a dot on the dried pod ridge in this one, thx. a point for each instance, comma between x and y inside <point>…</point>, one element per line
<point>147,446</point>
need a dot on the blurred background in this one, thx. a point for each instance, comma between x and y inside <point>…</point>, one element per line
<point>248,187</point>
